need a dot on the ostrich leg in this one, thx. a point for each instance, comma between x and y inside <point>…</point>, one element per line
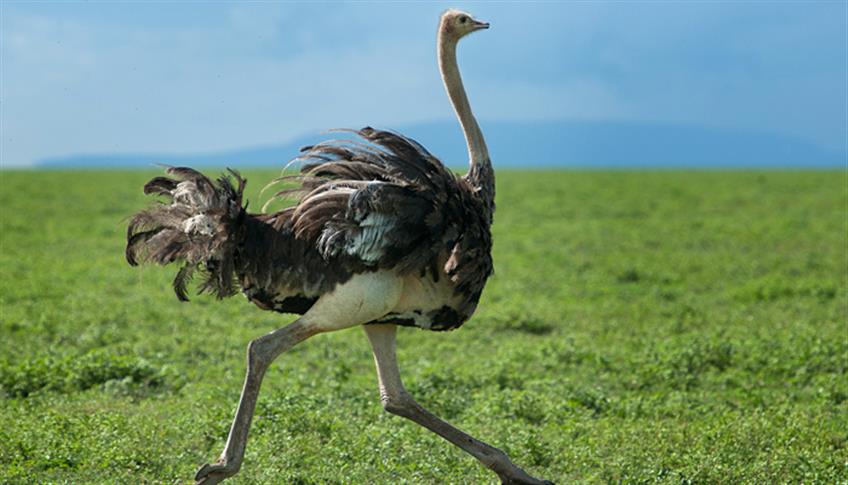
<point>396,401</point>
<point>363,298</point>
<point>260,353</point>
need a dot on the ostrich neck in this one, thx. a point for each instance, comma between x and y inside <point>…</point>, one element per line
<point>480,173</point>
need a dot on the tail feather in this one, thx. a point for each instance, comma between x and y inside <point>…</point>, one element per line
<point>201,224</point>
<point>160,186</point>
<point>182,280</point>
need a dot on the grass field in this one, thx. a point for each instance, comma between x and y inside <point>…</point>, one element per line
<point>641,327</point>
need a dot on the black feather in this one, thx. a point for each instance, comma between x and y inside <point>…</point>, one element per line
<point>182,280</point>
<point>160,185</point>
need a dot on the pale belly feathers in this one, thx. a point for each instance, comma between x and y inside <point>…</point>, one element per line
<point>377,297</point>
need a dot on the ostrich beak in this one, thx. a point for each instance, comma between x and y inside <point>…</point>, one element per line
<point>478,25</point>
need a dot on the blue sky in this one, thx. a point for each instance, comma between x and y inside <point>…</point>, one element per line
<point>108,77</point>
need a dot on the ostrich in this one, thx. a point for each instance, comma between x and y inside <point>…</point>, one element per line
<point>381,235</point>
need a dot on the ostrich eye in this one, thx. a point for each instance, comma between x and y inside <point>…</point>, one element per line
<point>463,19</point>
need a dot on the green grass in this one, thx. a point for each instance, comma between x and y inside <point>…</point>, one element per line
<point>641,327</point>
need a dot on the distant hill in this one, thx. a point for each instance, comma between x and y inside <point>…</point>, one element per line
<point>540,145</point>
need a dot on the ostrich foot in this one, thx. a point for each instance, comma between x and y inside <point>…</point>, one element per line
<point>210,474</point>
<point>531,481</point>
<point>519,477</point>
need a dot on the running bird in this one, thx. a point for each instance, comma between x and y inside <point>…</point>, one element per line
<point>381,235</point>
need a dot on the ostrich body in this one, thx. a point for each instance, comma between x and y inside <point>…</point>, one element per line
<point>382,235</point>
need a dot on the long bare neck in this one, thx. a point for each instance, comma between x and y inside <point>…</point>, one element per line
<point>480,174</point>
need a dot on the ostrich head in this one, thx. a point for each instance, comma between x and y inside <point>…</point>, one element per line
<point>456,24</point>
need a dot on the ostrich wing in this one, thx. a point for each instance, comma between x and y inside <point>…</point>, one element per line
<point>384,200</point>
